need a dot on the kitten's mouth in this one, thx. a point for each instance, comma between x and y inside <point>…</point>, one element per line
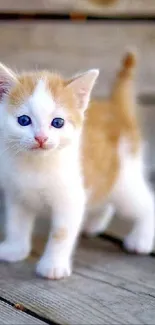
<point>40,147</point>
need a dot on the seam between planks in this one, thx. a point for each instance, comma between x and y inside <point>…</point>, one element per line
<point>75,16</point>
<point>27,311</point>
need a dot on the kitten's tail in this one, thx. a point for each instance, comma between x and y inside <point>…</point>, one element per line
<point>124,100</point>
<point>128,65</point>
<point>123,92</point>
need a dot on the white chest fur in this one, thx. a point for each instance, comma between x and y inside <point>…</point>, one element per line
<point>37,181</point>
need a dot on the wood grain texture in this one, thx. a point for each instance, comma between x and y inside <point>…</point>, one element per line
<point>69,48</point>
<point>119,7</point>
<point>10,316</point>
<point>107,287</point>
<point>129,7</point>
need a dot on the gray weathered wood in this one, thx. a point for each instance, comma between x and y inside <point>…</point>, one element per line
<point>120,7</point>
<point>107,287</point>
<point>129,7</point>
<point>9,315</point>
<point>69,48</point>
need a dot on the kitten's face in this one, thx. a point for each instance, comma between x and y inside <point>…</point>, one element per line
<point>43,112</point>
<point>40,121</point>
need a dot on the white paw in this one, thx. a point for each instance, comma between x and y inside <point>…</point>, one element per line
<point>12,252</point>
<point>139,244</point>
<point>53,271</point>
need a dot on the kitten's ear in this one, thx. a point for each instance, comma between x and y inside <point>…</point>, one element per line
<point>7,78</point>
<point>82,86</point>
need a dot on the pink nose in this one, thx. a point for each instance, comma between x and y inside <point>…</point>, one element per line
<point>41,139</point>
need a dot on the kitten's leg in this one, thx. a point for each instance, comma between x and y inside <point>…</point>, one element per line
<point>66,224</point>
<point>19,224</point>
<point>97,223</point>
<point>134,198</point>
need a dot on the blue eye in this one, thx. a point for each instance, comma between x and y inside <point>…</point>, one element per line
<point>58,122</point>
<point>24,120</point>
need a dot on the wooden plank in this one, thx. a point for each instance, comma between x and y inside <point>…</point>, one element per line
<point>9,315</point>
<point>55,46</point>
<point>93,7</point>
<point>116,8</point>
<point>107,287</point>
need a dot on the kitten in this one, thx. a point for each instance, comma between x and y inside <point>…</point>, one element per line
<point>113,164</point>
<point>41,118</point>
<point>51,176</point>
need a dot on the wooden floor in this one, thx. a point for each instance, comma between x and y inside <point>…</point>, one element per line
<point>107,287</point>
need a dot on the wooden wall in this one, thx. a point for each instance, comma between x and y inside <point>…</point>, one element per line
<point>71,47</point>
<point>128,7</point>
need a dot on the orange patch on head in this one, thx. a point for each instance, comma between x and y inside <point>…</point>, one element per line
<point>65,97</point>
<point>24,87</point>
<point>62,95</point>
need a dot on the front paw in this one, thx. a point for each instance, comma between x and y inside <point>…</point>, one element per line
<point>53,270</point>
<point>13,252</point>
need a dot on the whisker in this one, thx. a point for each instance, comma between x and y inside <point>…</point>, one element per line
<point>17,152</point>
<point>8,148</point>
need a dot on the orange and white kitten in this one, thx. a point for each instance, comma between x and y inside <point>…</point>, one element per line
<point>46,149</point>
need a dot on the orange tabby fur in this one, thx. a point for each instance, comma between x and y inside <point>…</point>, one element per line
<point>105,123</point>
